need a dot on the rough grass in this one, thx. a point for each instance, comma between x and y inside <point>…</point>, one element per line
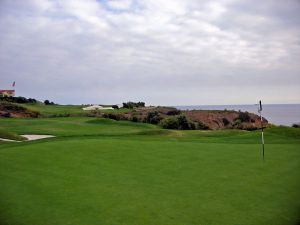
<point>55,110</point>
<point>9,135</point>
<point>64,110</point>
<point>113,173</point>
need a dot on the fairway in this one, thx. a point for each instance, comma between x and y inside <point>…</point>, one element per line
<point>99,171</point>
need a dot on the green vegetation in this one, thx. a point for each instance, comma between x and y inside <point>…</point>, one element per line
<point>50,109</point>
<point>11,136</point>
<point>179,122</point>
<point>55,110</point>
<point>18,99</point>
<point>101,171</point>
<point>153,117</point>
<point>131,105</point>
<point>47,102</point>
<point>295,125</point>
<point>66,110</point>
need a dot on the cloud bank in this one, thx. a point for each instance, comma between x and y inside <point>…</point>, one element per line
<point>169,52</point>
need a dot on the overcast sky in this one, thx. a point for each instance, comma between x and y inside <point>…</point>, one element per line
<point>163,52</point>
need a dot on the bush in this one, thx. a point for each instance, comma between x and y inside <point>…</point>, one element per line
<point>114,116</point>
<point>153,117</point>
<point>47,102</point>
<point>244,117</point>
<point>134,119</point>
<point>295,125</point>
<point>169,123</point>
<point>18,99</point>
<point>184,124</point>
<point>131,105</point>
<point>225,121</point>
<point>237,122</point>
<point>201,126</point>
<point>179,122</point>
<point>60,115</point>
<point>173,112</point>
<point>248,127</point>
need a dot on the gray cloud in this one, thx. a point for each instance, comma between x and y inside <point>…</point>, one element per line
<point>162,52</point>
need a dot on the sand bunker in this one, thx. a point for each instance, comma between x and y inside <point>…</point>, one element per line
<point>32,137</point>
<point>4,139</point>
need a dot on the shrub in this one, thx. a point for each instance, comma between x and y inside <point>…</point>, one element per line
<point>131,105</point>
<point>248,127</point>
<point>7,115</point>
<point>183,123</point>
<point>295,125</point>
<point>225,121</point>
<point>31,100</point>
<point>169,123</point>
<point>134,119</point>
<point>237,122</point>
<point>113,116</point>
<point>141,104</point>
<point>179,122</point>
<point>244,117</point>
<point>18,99</point>
<point>153,117</point>
<point>47,102</point>
<point>60,115</point>
<point>173,112</point>
<point>201,126</point>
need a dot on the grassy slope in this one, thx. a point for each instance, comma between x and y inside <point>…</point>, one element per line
<point>56,110</point>
<point>9,135</point>
<point>106,172</point>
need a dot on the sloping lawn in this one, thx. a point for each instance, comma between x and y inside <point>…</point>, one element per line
<point>113,173</point>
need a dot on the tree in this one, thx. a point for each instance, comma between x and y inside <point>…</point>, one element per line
<point>131,105</point>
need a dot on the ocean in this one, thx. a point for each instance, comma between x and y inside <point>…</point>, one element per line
<point>278,114</point>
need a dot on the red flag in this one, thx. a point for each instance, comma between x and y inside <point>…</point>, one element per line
<point>14,84</point>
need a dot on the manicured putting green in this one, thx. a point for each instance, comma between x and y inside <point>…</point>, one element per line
<point>113,173</point>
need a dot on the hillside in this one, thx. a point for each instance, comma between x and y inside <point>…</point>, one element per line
<point>167,117</point>
<point>16,111</point>
<point>200,119</point>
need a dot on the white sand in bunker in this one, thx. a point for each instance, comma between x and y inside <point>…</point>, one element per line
<point>4,139</point>
<point>32,137</point>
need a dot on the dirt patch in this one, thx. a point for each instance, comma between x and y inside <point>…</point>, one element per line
<point>225,119</point>
<point>11,110</point>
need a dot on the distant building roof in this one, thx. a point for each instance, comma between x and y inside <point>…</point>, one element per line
<point>10,91</point>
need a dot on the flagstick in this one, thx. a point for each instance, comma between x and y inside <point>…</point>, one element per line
<point>13,85</point>
<point>262,130</point>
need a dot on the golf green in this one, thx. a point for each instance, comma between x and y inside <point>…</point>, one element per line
<point>98,171</point>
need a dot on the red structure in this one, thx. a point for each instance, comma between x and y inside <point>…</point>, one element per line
<point>7,93</point>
